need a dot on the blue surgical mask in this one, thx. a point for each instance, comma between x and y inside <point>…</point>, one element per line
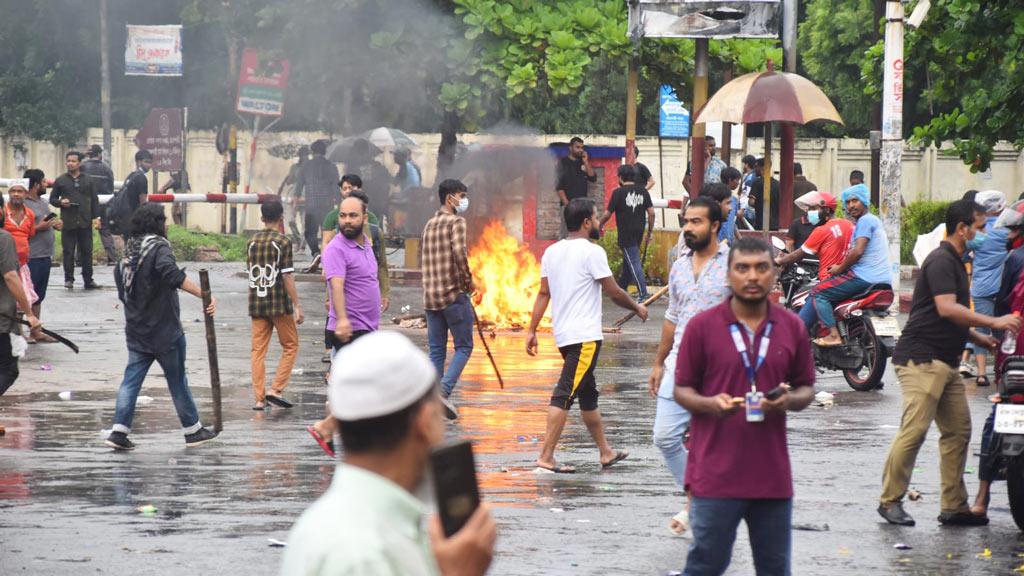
<point>976,243</point>
<point>463,206</point>
<point>813,216</point>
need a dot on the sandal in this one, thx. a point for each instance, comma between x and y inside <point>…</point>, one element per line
<point>982,381</point>
<point>326,445</point>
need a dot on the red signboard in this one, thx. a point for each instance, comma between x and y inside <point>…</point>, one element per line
<point>163,135</point>
<point>261,84</point>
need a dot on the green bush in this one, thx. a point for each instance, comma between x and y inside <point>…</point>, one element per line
<point>184,242</point>
<point>918,217</point>
<point>654,269</point>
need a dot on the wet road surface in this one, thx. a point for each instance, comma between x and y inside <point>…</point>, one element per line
<point>68,505</point>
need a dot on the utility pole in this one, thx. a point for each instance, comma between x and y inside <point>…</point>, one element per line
<point>700,97</point>
<point>787,130</point>
<point>105,82</point>
<point>875,138</point>
<point>890,167</point>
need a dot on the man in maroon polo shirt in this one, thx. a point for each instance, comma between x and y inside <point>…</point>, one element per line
<point>730,358</point>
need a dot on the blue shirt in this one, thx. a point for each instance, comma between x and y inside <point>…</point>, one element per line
<point>988,261</point>
<point>727,231</point>
<point>873,265</point>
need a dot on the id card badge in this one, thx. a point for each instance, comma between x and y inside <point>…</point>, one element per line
<point>755,412</point>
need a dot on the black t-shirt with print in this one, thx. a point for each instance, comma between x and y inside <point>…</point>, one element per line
<point>630,204</point>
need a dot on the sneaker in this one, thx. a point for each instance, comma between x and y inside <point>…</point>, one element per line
<point>69,285</point>
<point>326,358</point>
<point>450,412</point>
<point>93,286</point>
<point>895,514</point>
<point>201,436</point>
<point>962,519</point>
<point>119,441</point>
<point>966,369</point>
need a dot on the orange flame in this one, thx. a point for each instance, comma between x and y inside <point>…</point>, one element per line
<point>507,275</point>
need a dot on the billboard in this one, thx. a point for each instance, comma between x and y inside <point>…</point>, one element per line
<point>153,51</point>
<point>261,84</point>
<point>705,18</point>
<point>163,135</point>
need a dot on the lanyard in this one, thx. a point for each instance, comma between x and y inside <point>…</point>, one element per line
<point>741,347</point>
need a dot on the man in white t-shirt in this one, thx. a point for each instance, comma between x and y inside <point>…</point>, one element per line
<point>572,274</point>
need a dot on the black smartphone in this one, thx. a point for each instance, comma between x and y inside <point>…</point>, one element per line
<point>774,393</point>
<point>50,216</point>
<point>455,484</point>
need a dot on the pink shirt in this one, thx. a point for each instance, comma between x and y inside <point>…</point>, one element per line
<point>730,457</point>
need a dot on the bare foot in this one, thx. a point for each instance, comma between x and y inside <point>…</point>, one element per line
<point>680,523</point>
<point>829,341</point>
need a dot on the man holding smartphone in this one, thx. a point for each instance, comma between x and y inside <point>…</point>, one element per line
<point>384,400</point>
<point>572,273</point>
<point>573,177</point>
<point>733,359</point>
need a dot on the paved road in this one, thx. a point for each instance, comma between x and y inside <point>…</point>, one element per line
<point>68,505</point>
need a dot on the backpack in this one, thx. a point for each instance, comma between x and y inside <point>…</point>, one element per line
<point>119,208</point>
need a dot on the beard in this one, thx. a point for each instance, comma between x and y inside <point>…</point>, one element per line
<point>750,300</point>
<point>696,244</point>
<point>595,234</point>
<point>351,232</point>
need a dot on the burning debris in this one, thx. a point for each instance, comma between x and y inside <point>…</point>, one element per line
<point>507,275</point>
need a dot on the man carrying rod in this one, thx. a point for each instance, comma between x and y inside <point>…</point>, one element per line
<point>572,274</point>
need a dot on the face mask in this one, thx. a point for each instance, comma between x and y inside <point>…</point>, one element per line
<point>463,206</point>
<point>813,216</point>
<point>979,239</point>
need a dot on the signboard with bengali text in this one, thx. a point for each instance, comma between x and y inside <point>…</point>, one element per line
<point>163,135</point>
<point>261,84</point>
<point>153,51</point>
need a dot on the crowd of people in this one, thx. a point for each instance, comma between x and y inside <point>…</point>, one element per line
<point>728,367</point>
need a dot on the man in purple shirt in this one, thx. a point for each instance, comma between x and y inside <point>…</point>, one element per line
<point>350,268</point>
<point>738,467</point>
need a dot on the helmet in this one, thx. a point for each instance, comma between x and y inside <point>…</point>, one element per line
<point>1012,216</point>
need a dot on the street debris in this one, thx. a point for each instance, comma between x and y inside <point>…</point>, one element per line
<point>825,399</point>
<point>143,400</point>
<point>65,395</point>
<point>811,527</point>
<point>986,553</point>
<point>914,495</point>
<point>902,546</point>
<point>274,543</point>
<point>147,510</point>
<point>46,367</point>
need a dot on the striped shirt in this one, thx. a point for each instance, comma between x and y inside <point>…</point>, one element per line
<point>445,260</point>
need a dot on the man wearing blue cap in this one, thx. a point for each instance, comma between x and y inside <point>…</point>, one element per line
<point>866,264</point>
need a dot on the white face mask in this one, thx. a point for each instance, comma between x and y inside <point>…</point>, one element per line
<point>463,206</point>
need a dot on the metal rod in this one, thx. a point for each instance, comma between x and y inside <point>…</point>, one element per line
<point>211,350</point>
<point>487,348</point>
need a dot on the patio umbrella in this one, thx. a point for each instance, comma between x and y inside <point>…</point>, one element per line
<point>768,97</point>
<point>388,138</point>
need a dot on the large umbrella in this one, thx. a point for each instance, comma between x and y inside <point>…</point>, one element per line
<point>388,138</point>
<point>341,150</point>
<point>768,97</point>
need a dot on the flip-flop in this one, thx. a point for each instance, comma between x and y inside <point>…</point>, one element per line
<point>278,401</point>
<point>259,407</point>
<point>327,446</point>
<point>619,457</point>
<point>559,468</point>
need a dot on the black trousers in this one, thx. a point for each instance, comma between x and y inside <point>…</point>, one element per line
<point>8,364</point>
<point>312,232</point>
<point>77,245</point>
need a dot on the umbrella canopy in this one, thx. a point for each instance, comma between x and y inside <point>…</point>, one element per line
<point>389,138</point>
<point>925,243</point>
<point>342,150</point>
<point>769,97</point>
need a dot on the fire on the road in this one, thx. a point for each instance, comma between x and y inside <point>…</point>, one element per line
<point>507,275</point>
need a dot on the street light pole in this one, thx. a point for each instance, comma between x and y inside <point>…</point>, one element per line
<point>892,134</point>
<point>105,82</point>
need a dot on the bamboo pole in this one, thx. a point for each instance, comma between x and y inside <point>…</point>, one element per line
<point>211,350</point>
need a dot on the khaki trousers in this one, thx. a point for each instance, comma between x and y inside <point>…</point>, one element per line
<point>288,336</point>
<point>931,391</point>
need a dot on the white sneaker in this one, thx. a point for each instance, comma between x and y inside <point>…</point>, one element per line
<point>966,369</point>
<point>450,412</point>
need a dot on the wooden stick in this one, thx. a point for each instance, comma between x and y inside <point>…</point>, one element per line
<point>494,364</point>
<point>654,297</point>
<point>211,350</point>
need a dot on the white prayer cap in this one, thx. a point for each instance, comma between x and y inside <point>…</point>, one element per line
<point>18,182</point>
<point>378,374</point>
<point>993,201</point>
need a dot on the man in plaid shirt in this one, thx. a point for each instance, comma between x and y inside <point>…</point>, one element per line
<point>447,283</point>
<point>273,304</point>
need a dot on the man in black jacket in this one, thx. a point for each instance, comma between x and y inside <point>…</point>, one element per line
<point>94,167</point>
<point>148,280</point>
<point>75,194</point>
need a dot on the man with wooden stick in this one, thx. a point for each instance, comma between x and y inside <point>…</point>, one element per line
<point>572,273</point>
<point>148,280</point>
<point>698,282</point>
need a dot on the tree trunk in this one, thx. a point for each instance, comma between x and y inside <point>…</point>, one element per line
<point>449,142</point>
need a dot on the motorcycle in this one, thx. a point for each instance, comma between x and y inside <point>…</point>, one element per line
<point>865,325</point>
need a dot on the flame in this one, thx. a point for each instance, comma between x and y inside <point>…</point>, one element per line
<point>507,275</point>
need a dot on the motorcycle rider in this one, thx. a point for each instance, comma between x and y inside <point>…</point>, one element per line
<point>830,239</point>
<point>1011,225</point>
<point>865,265</point>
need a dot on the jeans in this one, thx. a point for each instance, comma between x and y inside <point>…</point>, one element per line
<point>8,364</point>
<point>987,306</point>
<point>172,361</point>
<point>77,245</point>
<point>39,269</point>
<point>457,318</point>
<point>714,522</point>
<point>825,295</point>
<point>632,270</point>
<point>670,423</point>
